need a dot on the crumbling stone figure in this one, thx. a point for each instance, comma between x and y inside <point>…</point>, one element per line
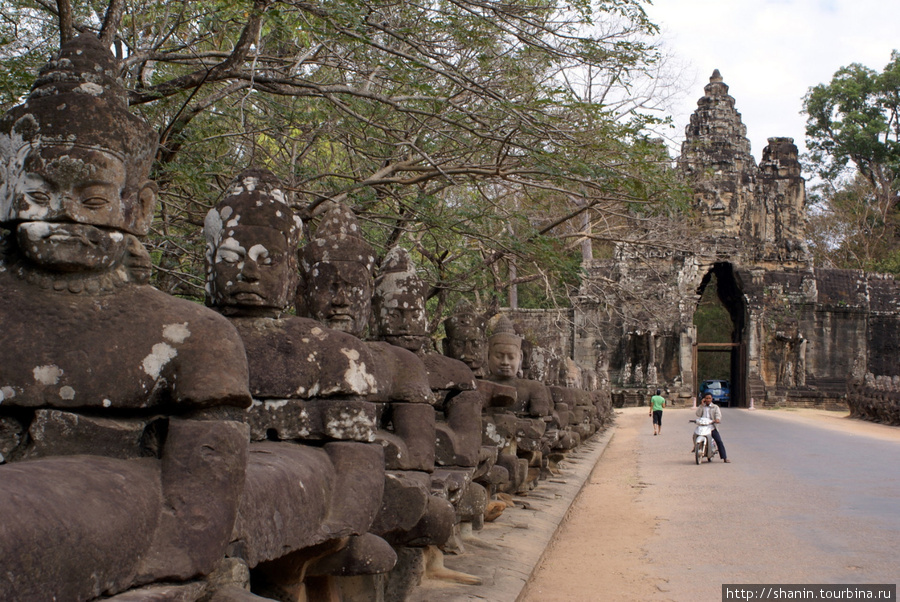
<point>337,269</point>
<point>533,401</point>
<point>466,341</point>
<point>791,355</point>
<point>313,461</point>
<point>466,337</point>
<point>127,454</point>
<point>400,319</point>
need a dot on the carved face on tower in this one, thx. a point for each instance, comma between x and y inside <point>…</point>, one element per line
<point>252,238</point>
<point>336,269</point>
<point>73,182</point>
<point>466,340</point>
<point>399,303</point>
<point>504,351</point>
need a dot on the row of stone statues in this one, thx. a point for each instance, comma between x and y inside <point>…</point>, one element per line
<point>151,448</point>
<point>876,398</point>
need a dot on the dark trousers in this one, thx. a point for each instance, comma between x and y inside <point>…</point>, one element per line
<point>715,435</point>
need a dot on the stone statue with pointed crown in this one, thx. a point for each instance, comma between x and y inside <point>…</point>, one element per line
<point>337,266</point>
<point>115,397</point>
<point>398,303</point>
<point>312,427</point>
<point>533,403</point>
<point>336,289</point>
<point>467,337</point>
<point>400,319</point>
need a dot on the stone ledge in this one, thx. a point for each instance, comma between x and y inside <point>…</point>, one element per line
<point>506,552</point>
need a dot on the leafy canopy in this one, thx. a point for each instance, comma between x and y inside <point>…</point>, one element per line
<point>490,138</point>
<point>853,136</point>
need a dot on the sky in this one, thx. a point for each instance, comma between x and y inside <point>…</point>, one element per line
<point>770,52</point>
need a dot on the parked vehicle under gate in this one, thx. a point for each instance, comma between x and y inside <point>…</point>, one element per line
<point>719,389</point>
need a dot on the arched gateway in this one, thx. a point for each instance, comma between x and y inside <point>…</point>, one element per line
<point>728,348</point>
<point>802,335</point>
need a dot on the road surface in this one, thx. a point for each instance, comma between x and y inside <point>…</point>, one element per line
<point>808,498</point>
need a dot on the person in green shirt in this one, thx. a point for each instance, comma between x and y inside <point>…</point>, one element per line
<point>657,403</point>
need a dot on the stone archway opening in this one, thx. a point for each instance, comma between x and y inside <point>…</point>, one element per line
<point>720,350</point>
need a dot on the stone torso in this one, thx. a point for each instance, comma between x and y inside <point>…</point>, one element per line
<point>126,350</point>
<point>447,374</point>
<point>532,397</point>
<point>292,357</point>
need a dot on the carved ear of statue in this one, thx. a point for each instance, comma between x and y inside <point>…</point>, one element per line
<point>144,207</point>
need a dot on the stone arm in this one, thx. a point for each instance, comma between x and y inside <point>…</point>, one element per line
<point>204,453</point>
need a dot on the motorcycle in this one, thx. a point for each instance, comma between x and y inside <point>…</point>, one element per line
<point>704,444</point>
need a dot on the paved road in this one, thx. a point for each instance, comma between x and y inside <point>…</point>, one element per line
<point>798,504</point>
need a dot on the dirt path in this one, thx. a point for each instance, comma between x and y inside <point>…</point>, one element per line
<point>601,556</point>
<point>608,559</point>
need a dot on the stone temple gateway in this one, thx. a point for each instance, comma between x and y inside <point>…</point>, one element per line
<point>802,335</point>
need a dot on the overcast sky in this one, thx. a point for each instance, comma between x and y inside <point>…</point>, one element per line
<point>770,52</point>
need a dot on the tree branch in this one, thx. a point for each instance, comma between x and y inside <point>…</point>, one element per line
<point>111,22</point>
<point>64,10</point>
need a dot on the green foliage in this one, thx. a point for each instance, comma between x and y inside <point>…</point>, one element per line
<point>853,136</point>
<point>850,228</point>
<point>452,128</point>
<point>27,39</point>
<point>714,325</point>
<point>854,119</point>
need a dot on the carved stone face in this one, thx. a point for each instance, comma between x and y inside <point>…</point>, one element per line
<point>402,321</point>
<point>339,294</point>
<point>252,268</point>
<point>468,345</point>
<point>504,360</point>
<point>71,184</point>
<point>70,208</point>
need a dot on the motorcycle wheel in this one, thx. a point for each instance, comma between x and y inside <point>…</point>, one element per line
<point>697,453</point>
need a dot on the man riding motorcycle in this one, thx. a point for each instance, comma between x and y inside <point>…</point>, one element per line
<point>710,410</point>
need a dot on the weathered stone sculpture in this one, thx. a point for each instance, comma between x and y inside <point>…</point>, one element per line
<point>466,341</point>
<point>467,337</point>
<point>115,478</point>
<point>400,319</point>
<point>309,384</point>
<point>337,268</point>
<point>533,401</point>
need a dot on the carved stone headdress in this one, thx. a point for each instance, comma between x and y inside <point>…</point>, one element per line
<point>398,277</point>
<point>504,333</point>
<point>77,101</point>
<point>464,317</point>
<point>256,197</point>
<point>338,239</point>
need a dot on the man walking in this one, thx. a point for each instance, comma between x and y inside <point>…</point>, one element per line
<point>657,403</point>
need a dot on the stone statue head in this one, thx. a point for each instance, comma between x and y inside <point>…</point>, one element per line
<point>336,274</point>
<point>398,303</point>
<point>466,336</point>
<point>252,237</point>
<point>74,164</point>
<point>571,374</point>
<point>504,351</point>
